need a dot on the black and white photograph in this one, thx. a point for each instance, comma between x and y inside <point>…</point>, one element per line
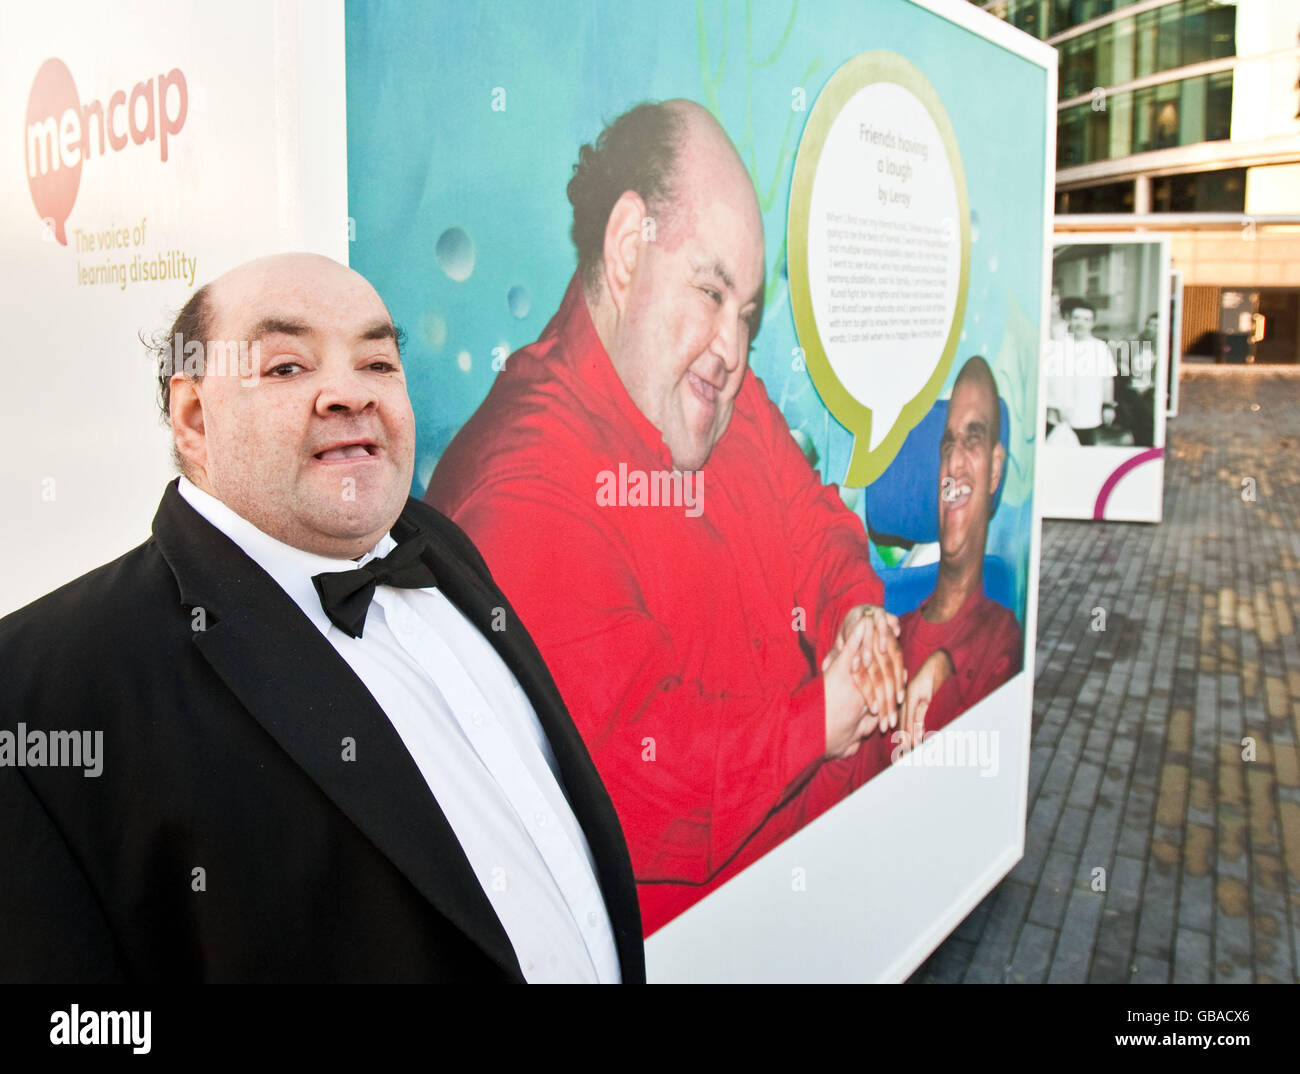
<point>1109,335</point>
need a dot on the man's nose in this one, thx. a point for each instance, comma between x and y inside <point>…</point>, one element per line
<point>959,459</point>
<point>344,389</point>
<point>730,343</point>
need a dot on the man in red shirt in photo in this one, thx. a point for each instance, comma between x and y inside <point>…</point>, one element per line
<point>958,645</point>
<point>641,502</point>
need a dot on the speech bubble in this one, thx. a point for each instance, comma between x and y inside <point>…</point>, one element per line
<point>53,157</point>
<point>879,241</point>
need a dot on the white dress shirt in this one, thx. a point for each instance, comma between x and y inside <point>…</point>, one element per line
<point>472,732</point>
<point>1089,379</point>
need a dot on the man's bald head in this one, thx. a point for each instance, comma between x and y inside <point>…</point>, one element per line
<point>667,153</point>
<point>196,319</point>
<point>977,373</point>
<point>637,152</point>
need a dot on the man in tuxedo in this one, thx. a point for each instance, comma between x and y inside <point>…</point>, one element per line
<point>326,748</point>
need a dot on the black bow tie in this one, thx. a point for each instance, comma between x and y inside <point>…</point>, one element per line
<point>346,595</point>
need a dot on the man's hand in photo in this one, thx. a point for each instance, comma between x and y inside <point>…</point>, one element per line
<point>931,675</point>
<point>848,718</point>
<point>877,665</point>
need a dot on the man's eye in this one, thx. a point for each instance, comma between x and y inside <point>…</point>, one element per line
<point>715,296</point>
<point>284,369</point>
<point>382,365</point>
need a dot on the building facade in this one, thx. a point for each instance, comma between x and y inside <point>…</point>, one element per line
<point>1183,117</point>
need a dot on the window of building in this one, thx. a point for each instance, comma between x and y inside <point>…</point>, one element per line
<point>1078,67</point>
<point>1069,136</point>
<point>1144,120</point>
<point>1184,112</point>
<point>1121,52</point>
<point>1168,128</point>
<point>1169,37</point>
<point>1098,134</point>
<point>1027,15</point>
<point>1092,276</point>
<point>1192,110</point>
<point>1222,20</point>
<point>1218,107</point>
<point>1222,191</point>
<point>1105,198</point>
<point>1060,16</point>
<point>1196,33</point>
<point>1170,114</point>
<point>1145,29</point>
<point>1176,35</point>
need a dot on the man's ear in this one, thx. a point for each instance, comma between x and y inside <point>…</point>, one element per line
<point>623,245</point>
<point>186,412</point>
<point>995,478</point>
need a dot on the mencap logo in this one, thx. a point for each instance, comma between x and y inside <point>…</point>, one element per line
<point>60,128</point>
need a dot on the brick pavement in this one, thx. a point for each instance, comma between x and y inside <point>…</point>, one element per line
<point>1137,759</point>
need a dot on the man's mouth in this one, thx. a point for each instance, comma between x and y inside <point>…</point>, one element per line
<point>355,449</point>
<point>704,390</point>
<point>955,493</point>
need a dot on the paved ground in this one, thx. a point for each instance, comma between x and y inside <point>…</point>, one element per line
<point>1138,764</point>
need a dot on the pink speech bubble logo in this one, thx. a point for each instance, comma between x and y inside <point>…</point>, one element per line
<point>52,144</point>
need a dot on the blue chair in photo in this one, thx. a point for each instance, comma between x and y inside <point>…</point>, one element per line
<point>902,508</point>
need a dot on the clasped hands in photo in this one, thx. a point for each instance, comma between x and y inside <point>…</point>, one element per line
<point>867,689</point>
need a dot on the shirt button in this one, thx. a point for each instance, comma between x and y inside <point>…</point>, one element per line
<point>540,818</point>
<point>758,643</point>
<point>591,918</point>
<point>553,962</point>
<point>478,719</point>
<point>530,967</point>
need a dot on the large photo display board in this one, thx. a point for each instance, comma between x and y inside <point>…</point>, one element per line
<point>723,325</point>
<point>1106,367</point>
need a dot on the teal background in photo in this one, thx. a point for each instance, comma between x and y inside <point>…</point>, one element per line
<point>462,223</point>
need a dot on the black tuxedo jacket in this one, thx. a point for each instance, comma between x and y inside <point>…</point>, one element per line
<point>224,751</point>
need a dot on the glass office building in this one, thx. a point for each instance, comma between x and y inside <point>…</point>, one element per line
<point>1183,116</point>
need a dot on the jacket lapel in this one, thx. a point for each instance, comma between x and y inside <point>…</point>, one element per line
<point>294,683</point>
<point>468,585</point>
